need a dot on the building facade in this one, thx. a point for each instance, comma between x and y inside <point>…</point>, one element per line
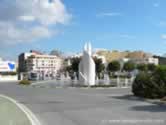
<point>150,60</point>
<point>162,60</point>
<point>44,66</point>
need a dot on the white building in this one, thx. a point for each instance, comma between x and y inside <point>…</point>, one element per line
<point>46,63</point>
<point>153,60</point>
<point>41,64</point>
<point>150,60</point>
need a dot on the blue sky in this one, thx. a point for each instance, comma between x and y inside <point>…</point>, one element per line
<point>111,24</point>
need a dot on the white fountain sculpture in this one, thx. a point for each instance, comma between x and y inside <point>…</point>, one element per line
<point>87,67</point>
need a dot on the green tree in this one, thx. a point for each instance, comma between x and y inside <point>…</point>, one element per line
<point>142,67</point>
<point>151,67</point>
<point>99,66</point>
<point>113,66</point>
<point>75,64</point>
<point>129,66</point>
<point>74,67</point>
<point>68,69</point>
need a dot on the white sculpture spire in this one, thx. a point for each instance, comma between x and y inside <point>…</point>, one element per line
<point>89,49</point>
<point>85,47</point>
<point>87,66</point>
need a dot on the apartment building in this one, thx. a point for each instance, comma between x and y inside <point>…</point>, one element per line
<point>42,65</point>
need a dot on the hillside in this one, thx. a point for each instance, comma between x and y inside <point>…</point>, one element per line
<point>116,55</point>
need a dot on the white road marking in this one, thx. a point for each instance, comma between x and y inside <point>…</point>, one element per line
<point>33,119</point>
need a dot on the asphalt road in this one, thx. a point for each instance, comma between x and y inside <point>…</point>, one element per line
<point>85,106</point>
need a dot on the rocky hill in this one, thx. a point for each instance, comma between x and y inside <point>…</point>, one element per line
<point>116,55</point>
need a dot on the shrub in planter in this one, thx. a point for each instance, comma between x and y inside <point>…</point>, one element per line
<point>160,79</point>
<point>160,73</point>
<point>24,82</point>
<point>141,85</point>
<point>150,85</point>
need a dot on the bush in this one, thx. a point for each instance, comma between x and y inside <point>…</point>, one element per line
<point>9,73</point>
<point>13,73</point>
<point>24,82</point>
<point>141,85</point>
<point>150,85</point>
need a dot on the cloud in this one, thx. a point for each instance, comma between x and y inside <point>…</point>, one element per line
<point>11,34</point>
<point>163,36</point>
<point>30,20</point>
<point>108,14</point>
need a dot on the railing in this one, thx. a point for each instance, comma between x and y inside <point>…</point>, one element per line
<point>116,82</point>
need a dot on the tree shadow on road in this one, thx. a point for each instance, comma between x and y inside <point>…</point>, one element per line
<point>128,97</point>
<point>150,108</point>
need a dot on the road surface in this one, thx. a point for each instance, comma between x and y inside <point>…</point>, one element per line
<point>85,106</point>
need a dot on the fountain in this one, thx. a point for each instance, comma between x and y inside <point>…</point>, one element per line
<point>126,82</point>
<point>118,82</point>
<point>106,79</point>
<point>67,76</point>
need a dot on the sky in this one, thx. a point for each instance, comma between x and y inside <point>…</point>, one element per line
<point>67,24</point>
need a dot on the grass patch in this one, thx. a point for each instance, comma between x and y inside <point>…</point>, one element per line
<point>24,82</point>
<point>102,86</point>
